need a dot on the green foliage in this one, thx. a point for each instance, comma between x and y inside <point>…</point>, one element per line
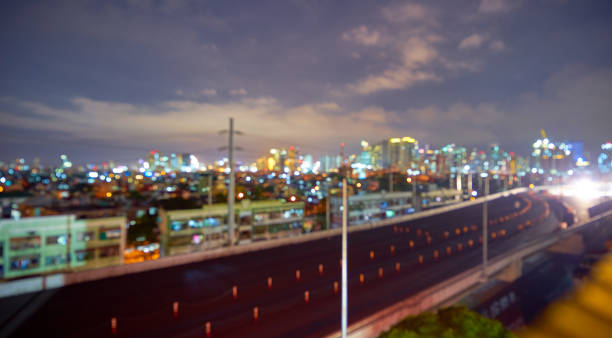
<point>456,321</point>
<point>145,226</point>
<point>177,203</point>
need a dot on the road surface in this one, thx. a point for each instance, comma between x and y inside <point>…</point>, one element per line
<point>143,303</point>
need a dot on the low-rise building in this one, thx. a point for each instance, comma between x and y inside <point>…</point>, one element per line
<point>185,231</point>
<point>368,208</point>
<point>39,245</point>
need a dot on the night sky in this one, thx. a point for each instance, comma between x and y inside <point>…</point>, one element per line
<point>109,80</point>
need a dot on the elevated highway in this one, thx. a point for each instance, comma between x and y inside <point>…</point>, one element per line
<point>386,264</point>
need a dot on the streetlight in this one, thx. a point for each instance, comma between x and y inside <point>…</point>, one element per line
<point>485,223</point>
<point>231,191</point>
<point>344,258</point>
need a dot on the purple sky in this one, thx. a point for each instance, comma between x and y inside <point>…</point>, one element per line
<point>109,80</point>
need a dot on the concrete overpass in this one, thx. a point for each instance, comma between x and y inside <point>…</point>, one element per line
<point>141,296</point>
<point>506,267</point>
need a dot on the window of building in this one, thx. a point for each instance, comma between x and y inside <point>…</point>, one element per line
<point>25,242</point>
<point>195,223</point>
<point>260,217</point>
<point>245,220</point>
<point>108,251</point>
<point>55,260</point>
<point>216,236</point>
<point>86,236</point>
<point>56,240</point>
<point>215,221</point>
<point>178,225</point>
<point>291,213</point>
<point>85,255</point>
<point>111,233</point>
<point>181,240</point>
<point>25,262</point>
<point>197,239</point>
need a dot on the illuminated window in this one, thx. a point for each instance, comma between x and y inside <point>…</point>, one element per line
<point>25,262</point>
<point>85,255</point>
<point>108,251</point>
<point>110,233</point>
<point>55,240</point>
<point>26,242</point>
<point>55,260</point>
<point>86,236</point>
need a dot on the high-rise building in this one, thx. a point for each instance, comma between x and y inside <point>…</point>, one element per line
<point>577,150</point>
<point>604,161</point>
<point>66,164</point>
<point>551,158</point>
<point>399,153</point>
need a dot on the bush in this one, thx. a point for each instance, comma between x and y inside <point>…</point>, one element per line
<point>456,321</point>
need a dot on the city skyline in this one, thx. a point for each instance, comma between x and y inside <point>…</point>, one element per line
<point>119,79</point>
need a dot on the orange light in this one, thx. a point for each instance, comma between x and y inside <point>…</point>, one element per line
<point>109,194</point>
<point>292,198</point>
<point>240,195</point>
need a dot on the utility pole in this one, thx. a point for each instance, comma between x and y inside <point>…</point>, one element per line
<point>232,185</point>
<point>459,186</point>
<point>415,200</point>
<point>210,189</point>
<point>344,306</point>
<point>485,223</point>
<point>231,191</point>
<point>470,184</point>
<point>327,210</point>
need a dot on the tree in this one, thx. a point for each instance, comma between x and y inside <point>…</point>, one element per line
<point>178,203</point>
<point>456,321</point>
<point>144,228</point>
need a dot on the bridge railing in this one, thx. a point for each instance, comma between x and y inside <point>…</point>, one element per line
<point>39,283</point>
<point>442,292</point>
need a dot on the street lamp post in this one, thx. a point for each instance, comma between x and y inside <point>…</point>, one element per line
<point>485,222</point>
<point>327,206</point>
<point>344,258</point>
<point>210,188</point>
<point>232,185</point>
<point>415,202</point>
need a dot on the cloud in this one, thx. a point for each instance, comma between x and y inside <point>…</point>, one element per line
<point>406,13</point>
<point>497,45</point>
<point>238,92</point>
<point>209,92</point>
<point>574,104</point>
<point>186,124</point>
<point>473,41</point>
<point>415,53</point>
<point>496,6</point>
<point>362,35</point>
<point>467,124</point>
